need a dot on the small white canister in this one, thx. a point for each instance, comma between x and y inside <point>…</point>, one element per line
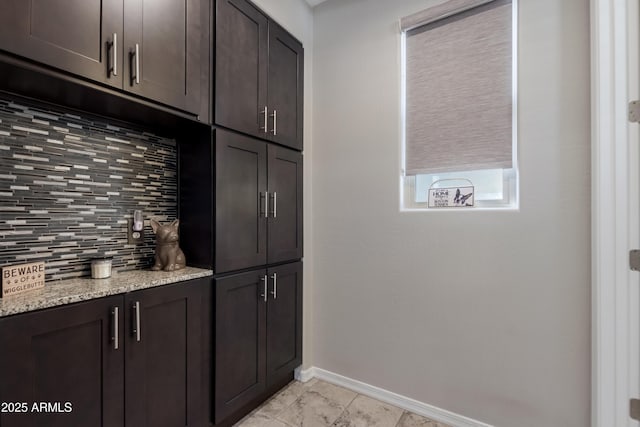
<point>100,268</point>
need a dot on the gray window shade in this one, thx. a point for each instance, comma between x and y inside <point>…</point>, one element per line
<point>459,87</point>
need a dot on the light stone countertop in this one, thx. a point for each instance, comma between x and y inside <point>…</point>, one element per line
<point>61,292</point>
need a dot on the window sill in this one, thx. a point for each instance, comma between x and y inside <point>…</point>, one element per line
<point>470,209</point>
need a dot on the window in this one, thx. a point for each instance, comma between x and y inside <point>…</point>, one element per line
<point>459,104</point>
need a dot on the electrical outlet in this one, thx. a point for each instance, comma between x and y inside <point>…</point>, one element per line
<point>134,237</point>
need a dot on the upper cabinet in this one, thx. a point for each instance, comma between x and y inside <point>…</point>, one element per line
<point>259,71</point>
<point>240,66</point>
<point>285,88</point>
<point>73,35</point>
<point>163,50</point>
<point>157,49</point>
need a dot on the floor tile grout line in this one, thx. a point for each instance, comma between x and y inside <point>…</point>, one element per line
<point>344,410</point>
<point>305,391</point>
<point>404,411</point>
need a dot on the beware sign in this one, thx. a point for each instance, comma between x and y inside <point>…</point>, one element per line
<point>17,279</point>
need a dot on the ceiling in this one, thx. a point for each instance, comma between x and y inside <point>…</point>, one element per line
<point>314,3</point>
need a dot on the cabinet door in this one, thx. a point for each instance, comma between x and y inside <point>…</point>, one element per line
<point>284,321</point>
<point>239,341</point>
<point>72,35</point>
<point>163,378</point>
<point>285,207</point>
<point>64,354</point>
<point>241,186</point>
<point>241,67</point>
<point>286,76</point>
<point>168,36</point>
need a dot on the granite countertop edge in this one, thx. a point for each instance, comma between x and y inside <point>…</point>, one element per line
<point>62,292</point>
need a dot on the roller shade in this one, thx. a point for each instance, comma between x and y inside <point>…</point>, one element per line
<point>459,87</point>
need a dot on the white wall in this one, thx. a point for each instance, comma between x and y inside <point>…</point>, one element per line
<point>486,314</point>
<point>297,17</point>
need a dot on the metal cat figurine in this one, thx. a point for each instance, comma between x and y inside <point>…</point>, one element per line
<point>169,256</point>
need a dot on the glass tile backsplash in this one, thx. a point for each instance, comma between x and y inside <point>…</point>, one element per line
<point>68,183</point>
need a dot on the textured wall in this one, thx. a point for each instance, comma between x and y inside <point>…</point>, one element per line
<point>484,313</point>
<point>69,183</point>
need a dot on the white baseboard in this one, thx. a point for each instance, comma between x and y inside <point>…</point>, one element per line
<point>304,375</point>
<point>420,408</point>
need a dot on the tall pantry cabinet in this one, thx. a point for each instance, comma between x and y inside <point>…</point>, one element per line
<point>241,207</point>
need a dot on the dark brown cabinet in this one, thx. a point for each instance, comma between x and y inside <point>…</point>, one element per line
<point>239,347</point>
<point>163,363</point>
<point>131,360</point>
<point>151,48</point>
<point>72,35</point>
<point>284,320</point>
<point>258,212</point>
<point>285,87</point>
<point>240,78</point>
<point>284,222</point>
<point>64,354</point>
<point>241,214</point>
<point>165,51</point>
<point>240,202</point>
<point>259,75</point>
<point>258,334</point>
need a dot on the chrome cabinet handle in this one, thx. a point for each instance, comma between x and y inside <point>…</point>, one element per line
<point>275,122</point>
<point>136,320</point>
<point>264,295</point>
<point>135,62</point>
<point>114,335</point>
<point>114,60</point>
<point>274,292</point>
<point>275,204</point>
<point>264,212</point>
<point>265,113</point>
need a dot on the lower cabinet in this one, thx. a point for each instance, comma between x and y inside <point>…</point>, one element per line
<point>63,354</point>
<point>258,334</point>
<point>133,359</point>
<point>163,355</point>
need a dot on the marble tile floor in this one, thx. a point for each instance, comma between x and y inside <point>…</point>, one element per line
<point>318,404</point>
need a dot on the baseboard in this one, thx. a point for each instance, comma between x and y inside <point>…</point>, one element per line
<point>420,408</point>
<point>304,375</point>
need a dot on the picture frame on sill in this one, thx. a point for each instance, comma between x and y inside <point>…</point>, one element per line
<point>451,196</point>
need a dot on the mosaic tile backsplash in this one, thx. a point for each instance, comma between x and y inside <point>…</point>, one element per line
<point>68,184</point>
